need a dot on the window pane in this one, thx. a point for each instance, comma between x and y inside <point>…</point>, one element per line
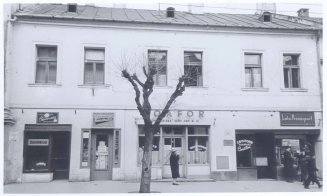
<point>193,75</point>
<point>248,77</point>
<point>47,52</point>
<point>256,77</point>
<point>37,158</point>
<point>291,59</point>
<point>252,59</point>
<point>99,74</point>
<point>193,58</point>
<point>286,79</point>
<point>41,72</point>
<point>94,54</point>
<point>52,72</point>
<point>295,78</point>
<point>197,150</point>
<point>244,149</point>
<point>201,130</point>
<point>88,73</point>
<point>158,61</point>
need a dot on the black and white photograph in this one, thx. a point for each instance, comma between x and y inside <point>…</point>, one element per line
<point>163,97</point>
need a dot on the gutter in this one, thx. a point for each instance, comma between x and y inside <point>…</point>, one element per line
<point>319,36</point>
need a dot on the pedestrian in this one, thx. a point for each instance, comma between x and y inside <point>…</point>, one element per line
<point>288,165</point>
<point>174,166</point>
<point>302,165</point>
<point>311,170</point>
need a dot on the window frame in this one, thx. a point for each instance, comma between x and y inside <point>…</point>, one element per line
<point>166,67</point>
<point>290,68</point>
<point>47,61</point>
<point>202,68</point>
<point>251,67</point>
<point>89,148</point>
<point>94,66</point>
<point>197,136</point>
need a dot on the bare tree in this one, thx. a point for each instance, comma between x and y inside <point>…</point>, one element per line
<point>143,90</point>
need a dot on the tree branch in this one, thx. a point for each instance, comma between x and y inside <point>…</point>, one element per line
<point>134,77</point>
<point>180,88</point>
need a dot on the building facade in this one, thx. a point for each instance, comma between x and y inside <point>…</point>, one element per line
<point>253,90</point>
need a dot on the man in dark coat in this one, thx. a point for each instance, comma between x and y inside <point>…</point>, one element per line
<point>288,165</point>
<point>174,158</point>
<point>311,170</point>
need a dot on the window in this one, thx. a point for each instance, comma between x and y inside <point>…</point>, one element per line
<point>291,71</point>
<point>253,77</point>
<point>197,145</point>
<point>85,148</point>
<point>94,66</point>
<point>245,151</point>
<point>155,147</point>
<point>116,148</point>
<point>46,64</point>
<point>158,61</point>
<point>193,68</point>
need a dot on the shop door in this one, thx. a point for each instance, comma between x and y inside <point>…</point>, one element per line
<point>265,156</point>
<point>60,153</point>
<point>101,155</point>
<point>177,143</point>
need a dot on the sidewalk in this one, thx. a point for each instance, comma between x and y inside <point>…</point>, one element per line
<point>162,187</point>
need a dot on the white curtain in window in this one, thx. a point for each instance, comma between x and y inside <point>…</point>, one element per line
<point>96,55</point>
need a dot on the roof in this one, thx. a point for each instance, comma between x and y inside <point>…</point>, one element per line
<point>106,14</point>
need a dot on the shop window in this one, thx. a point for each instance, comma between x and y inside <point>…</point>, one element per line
<point>155,147</point>
<point>253,75</point>
<point>46,64</point>
<point>94,66</point>
<point>291,70</point>
<point>193,68</point>
<point>157,60</point>
<point>283,144</point>
<point>173,131</point>
<point>85,156</point>
<point>197,145</point>
<point>245,151</point>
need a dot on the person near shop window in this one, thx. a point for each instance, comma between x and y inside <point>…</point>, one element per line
<point>174,158</point>
<point>288,165</point>
<point>311,170</point>
<point>302,165</point>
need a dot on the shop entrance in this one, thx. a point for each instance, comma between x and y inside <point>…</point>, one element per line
<point>101,154</point>
<point>265,156</point>
<point>60,155</point>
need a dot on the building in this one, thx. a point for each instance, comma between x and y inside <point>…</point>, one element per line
<point>254,89</point>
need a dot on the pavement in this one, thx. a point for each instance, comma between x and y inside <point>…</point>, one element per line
<point>64,186</point>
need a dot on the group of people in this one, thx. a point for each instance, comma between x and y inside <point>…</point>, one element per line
<point>306,165</point>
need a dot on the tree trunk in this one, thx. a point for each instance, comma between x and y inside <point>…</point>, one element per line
<point>147,160</point>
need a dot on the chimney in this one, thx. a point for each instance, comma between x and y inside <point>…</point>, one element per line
<point>170,12</point>
<point>303,13</point>
<point>72,7</point>
<point>196,8</point>
<point>266,7</point>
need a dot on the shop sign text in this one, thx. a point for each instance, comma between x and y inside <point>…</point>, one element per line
<point>297,119</point>
<point>181,116</point>
<point>38,142</point>
<point>243,145</point>
<point>47,117</point>
<point>103,119</point>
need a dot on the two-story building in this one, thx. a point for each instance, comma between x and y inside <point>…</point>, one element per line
<point>253,90</point>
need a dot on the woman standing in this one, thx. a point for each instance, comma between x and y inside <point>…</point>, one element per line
<point>174,158</point>
<point>288,165</point>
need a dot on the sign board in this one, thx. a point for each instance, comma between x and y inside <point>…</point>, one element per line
<point>261,161</point>
<point>297,119</point>
<point>47,117</point>
<point>38,142</point>
<point>103,120</point>
<point>244,144</point>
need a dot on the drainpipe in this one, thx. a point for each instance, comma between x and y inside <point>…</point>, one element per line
<point>319,35</point>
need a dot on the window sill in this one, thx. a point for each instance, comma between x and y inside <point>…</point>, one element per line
<point>44,85</point>
<point>197,87</point>
<point>256,89</point>
<point>94,86</point>
<point>294,90</point>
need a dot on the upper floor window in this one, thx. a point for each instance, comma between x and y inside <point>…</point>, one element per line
<point>94,66</point>
<point>291,71</point>
<point>193,68</point>
<point>158,60</point>
<point>46,64</point>
<point>253,72</point>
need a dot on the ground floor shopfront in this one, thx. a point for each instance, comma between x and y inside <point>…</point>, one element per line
<point>85,144</point>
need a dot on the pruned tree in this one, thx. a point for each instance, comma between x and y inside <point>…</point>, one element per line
<point>143,91</point>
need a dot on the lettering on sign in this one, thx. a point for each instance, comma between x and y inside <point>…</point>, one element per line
<point>181,116</point>
<point>103,119</point>
<point>297,119</point>
<point>38,142</point>
<point>243,145</point>
<point>47,117</point>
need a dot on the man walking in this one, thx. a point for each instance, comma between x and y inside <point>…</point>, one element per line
<point>311,170</point>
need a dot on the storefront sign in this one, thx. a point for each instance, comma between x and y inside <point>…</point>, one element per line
<point>243,145</point>
<point>47,117</point>
<point>297,119</point>
<point>38,142</point>
<point>180,116</point>
<point>103,119</point>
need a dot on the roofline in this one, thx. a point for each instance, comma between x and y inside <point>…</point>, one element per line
<point>172,26</point>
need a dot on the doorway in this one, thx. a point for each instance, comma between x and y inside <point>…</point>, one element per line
<point>265,156</point>
<point>60,155</point>
<point>101,154</point>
